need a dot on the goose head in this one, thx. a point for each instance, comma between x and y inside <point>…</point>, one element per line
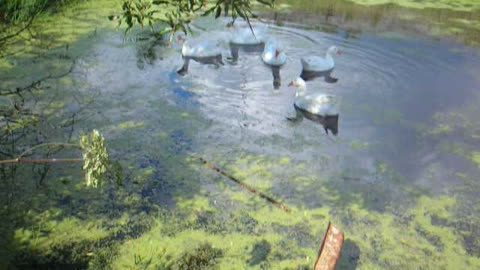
<point>300,85</point>
<point>279,49</point>
<point>333,50</point>
<point>273,53</point>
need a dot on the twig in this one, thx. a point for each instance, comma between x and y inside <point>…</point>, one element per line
<point>3,39</point>
<point>40,161</point>
<point>249,188</point>
<point>35,84</point>
<point>46,144</point>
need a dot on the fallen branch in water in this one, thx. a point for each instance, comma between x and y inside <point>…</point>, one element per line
<point>22,160</point>
<point>96,160</point>
<point>249,188</point>
<point>40,161</point>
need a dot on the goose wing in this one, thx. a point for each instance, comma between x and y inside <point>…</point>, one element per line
<point>320,104</point>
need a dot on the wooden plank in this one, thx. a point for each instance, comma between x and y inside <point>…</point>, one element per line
<point>330,250</point>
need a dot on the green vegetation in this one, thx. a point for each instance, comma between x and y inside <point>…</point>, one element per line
<point>456,19</point>
<point>177,14</point>
<point>20,11</point>
<point>460,5</point>
<point>173,213</point>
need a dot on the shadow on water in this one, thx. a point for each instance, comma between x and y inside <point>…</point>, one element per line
<point>349,257</point>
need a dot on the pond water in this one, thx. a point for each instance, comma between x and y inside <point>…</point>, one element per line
<point>401,177</point>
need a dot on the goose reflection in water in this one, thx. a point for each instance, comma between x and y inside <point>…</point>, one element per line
<point>274,56</point>
<point>329,122</point>
<point>235,49</point>
<point>311,75</point>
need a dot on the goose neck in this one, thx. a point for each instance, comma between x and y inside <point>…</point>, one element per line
<point>301,91</point>
<point>329,56</point>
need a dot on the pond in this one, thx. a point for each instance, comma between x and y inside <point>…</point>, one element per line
<point>400,179</point>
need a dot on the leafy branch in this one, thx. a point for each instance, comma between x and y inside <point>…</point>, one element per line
<point>96,160</point>
<point>178,14</point>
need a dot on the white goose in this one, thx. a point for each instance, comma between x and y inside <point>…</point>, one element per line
<point>244,36</point>
<point>202,51</point>
<point>318,107</point>
<point>319,64</point>
<point>243,39</point>
<point>273,53</point>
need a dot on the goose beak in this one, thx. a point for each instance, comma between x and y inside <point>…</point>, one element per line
<point>290,84</point>
<point>339,53</point>
<point>277,53</point>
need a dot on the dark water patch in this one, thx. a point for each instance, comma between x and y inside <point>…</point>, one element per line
<point>433,239</point>
<point>203,257</point>
<point>300,232</point>
<point>260,252</point>
<point>350,256</point>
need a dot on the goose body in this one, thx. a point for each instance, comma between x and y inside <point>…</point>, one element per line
<point>273,54</point>
<point>318,107</point>
<point>201,49</point>
<point>243,39</point>
<point>205,52</point>
<point>244,36</point>
<point>317,103</point>
<point>320,64</point>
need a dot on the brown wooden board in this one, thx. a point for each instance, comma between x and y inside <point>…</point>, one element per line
<point>330,250</point>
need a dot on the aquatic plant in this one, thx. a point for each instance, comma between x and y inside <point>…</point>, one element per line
<point>17,11</point>
<point>203,257</point>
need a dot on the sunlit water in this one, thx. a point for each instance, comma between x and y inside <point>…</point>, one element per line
<point>390,89</point>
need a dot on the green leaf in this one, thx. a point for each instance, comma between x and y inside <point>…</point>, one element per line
<point>239,11</point>
<point>165,31</point>
<point>208,11</point>
<point>263,2</point>
<point>225,8</point>
<point>160,2</point>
